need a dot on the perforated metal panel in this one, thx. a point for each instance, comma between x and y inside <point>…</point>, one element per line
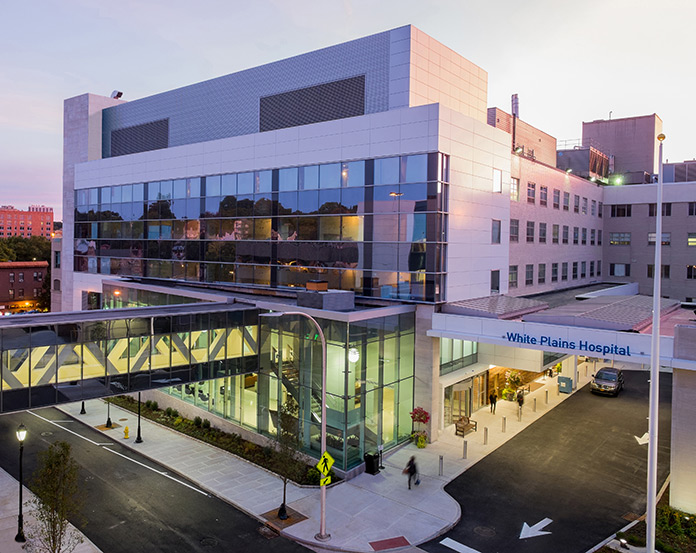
<point>324,102</point>
<point>140,138</point>
<point>229,105</point>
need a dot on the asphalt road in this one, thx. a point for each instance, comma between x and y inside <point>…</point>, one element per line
<point>131,506</point>
<point>580,466</point>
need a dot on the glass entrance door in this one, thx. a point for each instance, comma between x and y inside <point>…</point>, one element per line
<point>479,392</point>
<point>458,401</point>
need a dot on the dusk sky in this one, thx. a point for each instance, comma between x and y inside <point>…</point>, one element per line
<point>568,61</point>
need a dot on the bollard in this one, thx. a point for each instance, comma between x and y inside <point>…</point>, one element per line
<point>558,390</point>
<point>585,370</point>
<point>519,414</point>
<point>464,450</point>
<point>125,433</point>
<point>534,405</point>
<point>441,464</point>
<point>485,435</point>
<point>504,421</point>
<point>547,397</point>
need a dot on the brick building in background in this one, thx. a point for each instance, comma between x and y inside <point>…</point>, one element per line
<point>36,221</point>
<point>20,285</point>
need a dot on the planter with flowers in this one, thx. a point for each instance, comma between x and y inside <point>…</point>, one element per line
<point>420,417</point>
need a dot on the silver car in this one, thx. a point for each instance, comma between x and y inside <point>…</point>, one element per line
<point>608,381</point>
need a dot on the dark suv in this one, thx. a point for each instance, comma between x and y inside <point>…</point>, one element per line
<point>608,381</point>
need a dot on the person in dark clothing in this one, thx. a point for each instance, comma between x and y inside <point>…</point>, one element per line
<point>411,470</point>
<point>493,398</point>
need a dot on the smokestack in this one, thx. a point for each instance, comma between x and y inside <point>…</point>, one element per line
<point>515,106</point>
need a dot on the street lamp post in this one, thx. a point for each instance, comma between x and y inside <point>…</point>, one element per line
<point>322,535</point>
<point>139,439</point>
<point>651,512</point>
<point>21,435</point>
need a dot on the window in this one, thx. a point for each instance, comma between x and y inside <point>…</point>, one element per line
<point>531,192</point>
<point>554,272</point>
<point>542,233</point>
<point>619,238</point>
<point>56,285</point>
<point>584,237</point>
<point>541,274</point>
<point>12,277</point>
<point>621,210</point>
<point>691,239</point>
<point>512,276</point>
<point>592,237</point>
<point>530,231</point>
<point>599,237</point>
<point>36,292</point>
<point>691,272</point>
<point>576,204</point>
<point>593,208</point>
<point>529,275</point>
<point>584,206</point>
<point>599,267</point>
<point>600,207</point>
<point>591,269</point>
<point>564,270</point>
<point>666,238</point>
<point>515,189</point>
<point>495,231</point>
<point>556,198</point>
<point>583,269</point>
<point>566,201</point>
<point>497,181</point>
<point>575,270</point>
<point>20,293</point>
<point>651,271</point>
<point>21,277</point>
<point>619,269</point>
<point>666,210</point>
<point>554,234</point>
<point>56,260</point>
<point>11,291</point>
<point>692,208</point>
<point>543,195</point>
<point>566,230</point>
<point>576,235</point>
<point>514,230</point>
<point>495,282</point>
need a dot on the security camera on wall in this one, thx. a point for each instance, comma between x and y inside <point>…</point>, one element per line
<point>116,94</point>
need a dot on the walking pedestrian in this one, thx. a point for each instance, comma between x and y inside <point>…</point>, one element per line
<point>493,398</point>
<point>520,402</point>
<point>411,470</point>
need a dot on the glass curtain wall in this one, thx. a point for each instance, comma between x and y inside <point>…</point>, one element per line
<point>374,226</point>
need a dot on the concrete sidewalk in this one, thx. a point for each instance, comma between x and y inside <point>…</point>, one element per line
<point>364,510</point>
<point>9,509</point>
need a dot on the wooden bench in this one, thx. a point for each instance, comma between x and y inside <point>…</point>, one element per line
<point>463,425</point>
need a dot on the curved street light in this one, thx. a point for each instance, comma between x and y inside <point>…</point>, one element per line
<point>21,436</point>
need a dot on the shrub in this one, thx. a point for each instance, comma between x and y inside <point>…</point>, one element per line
<point>206,424</point>
<point>148,404</point>
<point>169,411</point>
<point>314,476</point>
<point>197,422</point>
<point>155,406</point>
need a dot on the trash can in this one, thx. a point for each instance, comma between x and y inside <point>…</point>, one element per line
<point>371,463</point>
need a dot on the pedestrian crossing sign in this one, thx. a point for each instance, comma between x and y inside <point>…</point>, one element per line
<point>325,481</point>
<point>325,463</point>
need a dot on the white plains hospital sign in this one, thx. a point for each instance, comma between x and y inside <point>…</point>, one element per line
<point>580,345</point>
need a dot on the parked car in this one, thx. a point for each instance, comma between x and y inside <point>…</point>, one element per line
<point>608,381</point>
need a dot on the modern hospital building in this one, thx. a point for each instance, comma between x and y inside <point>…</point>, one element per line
<point>369,185</point>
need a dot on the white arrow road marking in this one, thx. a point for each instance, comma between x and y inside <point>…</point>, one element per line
<point>643,439</point>
<point>447,542</point>
<point>536,530</point>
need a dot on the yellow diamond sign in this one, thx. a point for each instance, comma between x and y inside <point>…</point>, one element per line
<point>325,463</point>
<point>325,481</point>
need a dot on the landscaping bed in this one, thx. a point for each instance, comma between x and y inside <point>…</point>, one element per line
<point>201,429</point>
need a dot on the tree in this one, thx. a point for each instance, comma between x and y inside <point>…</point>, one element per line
<point>289,466</point>
<point>57,499</point>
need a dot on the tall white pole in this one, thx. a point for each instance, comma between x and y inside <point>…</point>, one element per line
<point>322,535</point>
<point>651,512</point>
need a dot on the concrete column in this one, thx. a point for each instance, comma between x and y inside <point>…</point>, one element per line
<point>569,368</point>
<point>427,393</point>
